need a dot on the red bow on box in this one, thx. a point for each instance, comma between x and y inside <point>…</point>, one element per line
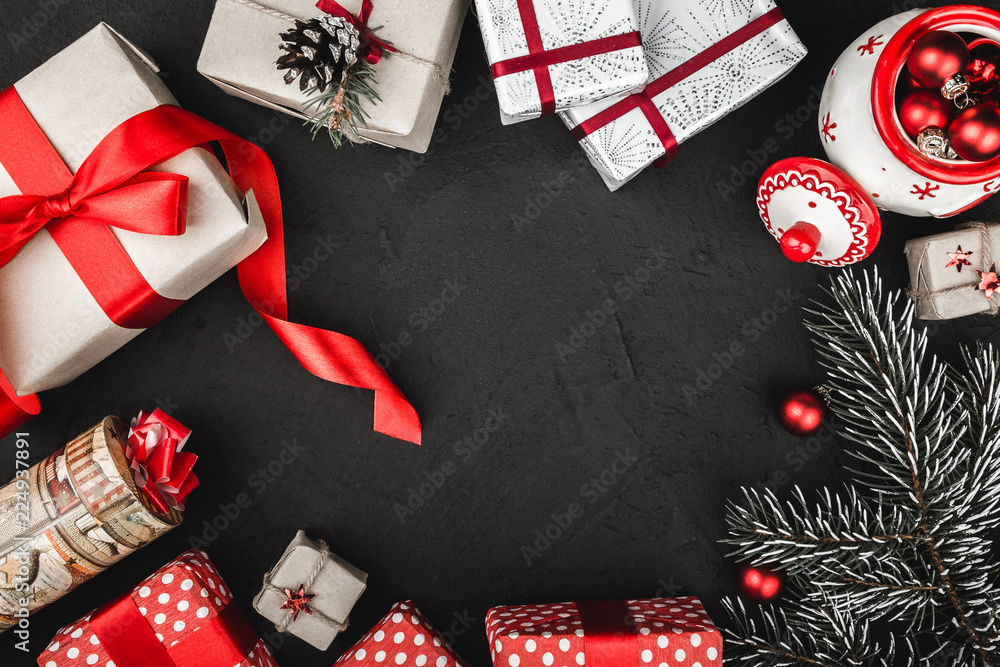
<point>371,46</point>
<point>160,469</point>
<point>110,188</point>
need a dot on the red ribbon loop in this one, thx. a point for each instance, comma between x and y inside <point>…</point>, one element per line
<point>113,187</point>
<point>609,635</point>
<point>371,46</point>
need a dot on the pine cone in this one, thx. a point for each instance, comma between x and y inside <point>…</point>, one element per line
<point>319,52</point>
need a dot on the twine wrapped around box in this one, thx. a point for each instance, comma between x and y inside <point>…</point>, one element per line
<point>941,292</point>
<point>310,592</point>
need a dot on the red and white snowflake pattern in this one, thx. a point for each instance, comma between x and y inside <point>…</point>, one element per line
<point>176,600</point>
<point>671,631</point>
<point>403,638</point>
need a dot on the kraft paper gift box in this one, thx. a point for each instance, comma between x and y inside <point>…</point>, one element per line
<point>405,638</point>
<point>242,46</point>
<point>705,61</point>
<point>51,328</point>
<point>944,278</point>
<point>589,50</point>
<point>183,614</point>
<point>334,584</point>
<point>671,631</point>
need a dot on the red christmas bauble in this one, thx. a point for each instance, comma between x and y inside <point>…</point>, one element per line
<point>983,71</point>
<point>975,133</point>
<point>937,57</point>
<point>761,584</point>
<point>802,412</point>
<point>923,109</point>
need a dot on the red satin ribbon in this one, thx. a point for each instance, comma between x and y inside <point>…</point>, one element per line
<point>373,45</point>
<point>110,188</point>
<point>609,636</point>
<point>110,171</point>
<point>15,410</point>
<point>539,60</point>
<point>644,100</point>
<point>126,636</point>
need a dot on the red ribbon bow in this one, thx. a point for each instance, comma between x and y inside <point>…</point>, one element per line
<point>160,468</point>
<point>111,188</point>
<point>371,46</point>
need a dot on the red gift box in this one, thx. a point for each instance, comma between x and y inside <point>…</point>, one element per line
<point>403,638</point>
<point>660,631</point>
<point>156,625</point>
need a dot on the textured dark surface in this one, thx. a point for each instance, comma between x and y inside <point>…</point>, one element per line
<point>403,234</point>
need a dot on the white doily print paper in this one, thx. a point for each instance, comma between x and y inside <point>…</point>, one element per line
<point>674,32</point>
<point>562,23</point>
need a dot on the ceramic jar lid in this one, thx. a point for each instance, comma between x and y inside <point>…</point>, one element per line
<point>817,212</point>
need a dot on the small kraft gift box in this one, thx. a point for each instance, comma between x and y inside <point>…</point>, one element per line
<point>954,274</point>
<point>404,638</point>
<point>657,631</point>
<point>183,615</point>
<point>244,42</point>
<point>705,60</point>
<point>547,56</point>
<point>310,592</point>
<point>59,291</point>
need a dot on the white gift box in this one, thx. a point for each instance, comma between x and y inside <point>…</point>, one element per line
<point>243,42</point>
<point>561,24</point>
<point>51,328</point>
<point>705,60</point>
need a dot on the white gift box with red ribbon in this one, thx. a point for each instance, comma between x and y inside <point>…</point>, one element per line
<point>705,60</point>
<point>550,55</point>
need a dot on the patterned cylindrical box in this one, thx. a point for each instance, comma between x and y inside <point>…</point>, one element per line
<point>70,517</point>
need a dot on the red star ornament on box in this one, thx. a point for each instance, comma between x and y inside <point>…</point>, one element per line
<point>988,281</point>
<point>959,259</point>
<point>298,601</point>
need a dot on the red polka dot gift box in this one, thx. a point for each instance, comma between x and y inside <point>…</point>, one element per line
<point>181,616</point>
<point>404,638</point>
<point>658,632</point>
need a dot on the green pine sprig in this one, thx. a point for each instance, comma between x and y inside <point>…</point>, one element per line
<point>341,112</point>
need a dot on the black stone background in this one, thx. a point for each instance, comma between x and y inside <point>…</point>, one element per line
<point>655,530</point>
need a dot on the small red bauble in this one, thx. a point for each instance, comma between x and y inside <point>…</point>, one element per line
<point>802,412</point>
<point>983,71</point>
<point>975,133</point>
<point>761,584</point>
<point>924,109</point>
<point>937,57</point>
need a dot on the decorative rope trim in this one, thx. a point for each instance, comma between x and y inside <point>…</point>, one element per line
<point>324,558</point>
<point>440,74</point>
<point>987,255</point>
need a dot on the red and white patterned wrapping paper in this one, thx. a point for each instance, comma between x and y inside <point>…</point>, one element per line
<point>404,638</point>
<point>176,600</point>
<point>670,632</point>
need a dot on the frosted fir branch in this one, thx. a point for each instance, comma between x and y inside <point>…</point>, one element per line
<point>911,542</point>
<point>797,537</point>
<point>980,386</point>
<point>808,636</point>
